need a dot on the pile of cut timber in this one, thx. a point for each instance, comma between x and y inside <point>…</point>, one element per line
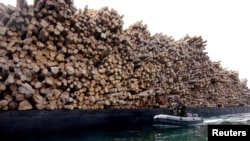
<point>53,56</point>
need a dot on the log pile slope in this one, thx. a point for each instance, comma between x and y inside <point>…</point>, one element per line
<point>54,56</point>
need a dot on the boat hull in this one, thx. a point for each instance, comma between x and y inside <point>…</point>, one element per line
<point>176,120</point>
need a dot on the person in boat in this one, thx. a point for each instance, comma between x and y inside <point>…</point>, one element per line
<point>181,109</point>
<point>169,107</point>
<point>173,107</point>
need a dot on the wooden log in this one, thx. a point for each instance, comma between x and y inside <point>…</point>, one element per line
<point>24,105</point>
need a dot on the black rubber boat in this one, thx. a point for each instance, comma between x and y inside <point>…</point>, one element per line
<point>177,120</point>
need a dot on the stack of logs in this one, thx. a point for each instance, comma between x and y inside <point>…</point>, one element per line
<point>53,56</point>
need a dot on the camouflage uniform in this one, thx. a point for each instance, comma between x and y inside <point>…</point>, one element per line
<point>175,108</point>
<point>169,107</point>
<point>182,110</point>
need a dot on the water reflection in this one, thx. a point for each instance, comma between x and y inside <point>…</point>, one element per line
<point>190,133</point>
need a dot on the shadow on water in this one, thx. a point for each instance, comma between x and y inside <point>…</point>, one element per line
<point>137,132</point>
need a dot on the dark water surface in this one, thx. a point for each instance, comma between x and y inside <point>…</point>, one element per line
<point>137,132</point>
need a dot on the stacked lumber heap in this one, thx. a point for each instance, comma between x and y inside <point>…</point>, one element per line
<point>53,56</point>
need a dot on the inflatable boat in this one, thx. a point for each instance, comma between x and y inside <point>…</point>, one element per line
<point>177,120</point>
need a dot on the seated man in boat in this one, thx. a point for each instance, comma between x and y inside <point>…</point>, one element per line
<point>181,109</point>
<point>169,107</point>
<point>173,106</point>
